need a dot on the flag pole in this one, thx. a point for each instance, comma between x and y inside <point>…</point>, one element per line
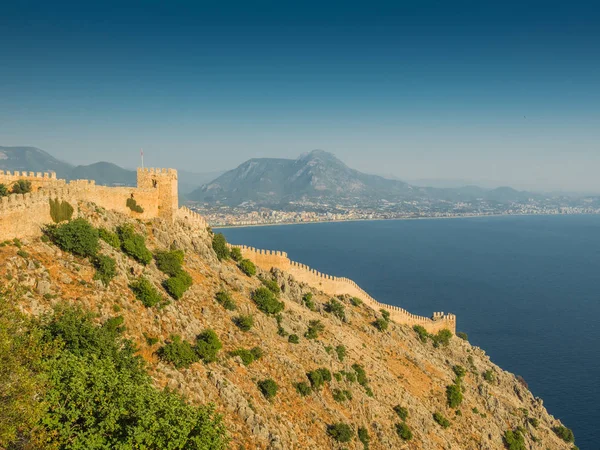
<point>142,155</point>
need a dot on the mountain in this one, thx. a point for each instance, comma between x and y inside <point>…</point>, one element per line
<point>32,159</point>
<point>104,173</point>
<point>320,175</point>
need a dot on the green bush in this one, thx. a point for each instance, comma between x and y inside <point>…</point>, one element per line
<point>303,388</point>
<point>421,333</point>
<point>349,376</point>
<point>60,210</point>
<point>177,285</point>
<point>442,338</point>
<point>325,374</point>
<point>361,375</point>
<point>257,352</point>
<point>454,395</point>
<point>462,336</point>
<point>340,396</point>
<point>134,244</point>
<point>566,434</point>
<point>208,345</point>
<point>169,262</point>
<point>355,301</point>
<point>3,190</point>
<point>401,411</point>
<point>266,301</point>
<point>441,420</point>
<point>178,352</point>
<point>78,237</point>
<point>534,422</point>
<point>23,254</point>
<point>247,267</point>
<point>106,268</point>
<point>21,187</point>
<point>315,328</point>
<point>341,352</point>
<point>132,205</point>
<point>268,388</point>
<point>316,379</point>
<point>224,299</point>
<point>244,322</point>
<point>219,245</point>
<point>385,314</point>
<point>246,355</point>
<point>336,308</point>
<point>293,339</point>
<point>145,292</point>
<point>514,440</point>
<point>381,324</point>
<point>460,371</point>
<point>489,376</point>
<point>271,285</point>
<point>308,301</point>
<point>340,432</point>
<point>236,254</point>
<point>109,237</point>
<point>404,431</point>
<point>363,437</point>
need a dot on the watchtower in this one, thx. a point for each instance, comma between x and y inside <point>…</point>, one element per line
<point>164,181</point>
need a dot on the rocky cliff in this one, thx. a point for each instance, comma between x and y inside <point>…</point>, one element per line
<point>406,376</point>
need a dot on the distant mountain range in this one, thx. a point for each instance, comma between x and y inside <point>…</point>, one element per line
<point>32,159</point>
<point>320,175</point>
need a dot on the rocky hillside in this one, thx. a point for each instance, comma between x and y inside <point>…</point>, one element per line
<point>381,378</point>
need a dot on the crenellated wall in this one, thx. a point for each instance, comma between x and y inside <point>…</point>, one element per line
<point>268,259</point>
<point>25,215</point>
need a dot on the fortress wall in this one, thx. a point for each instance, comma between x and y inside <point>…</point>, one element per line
<point>267,259</point>
<point>43,180</point>
<point>195,220</point>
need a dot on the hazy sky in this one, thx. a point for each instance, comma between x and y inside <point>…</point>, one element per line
<point>500,91</point>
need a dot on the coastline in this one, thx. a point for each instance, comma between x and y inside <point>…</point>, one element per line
<point>218,227</point>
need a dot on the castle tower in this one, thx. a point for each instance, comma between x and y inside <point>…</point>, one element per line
<point>165,182</point>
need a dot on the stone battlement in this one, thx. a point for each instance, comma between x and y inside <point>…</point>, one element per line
<point>331,285</point>
<point>25,215</point>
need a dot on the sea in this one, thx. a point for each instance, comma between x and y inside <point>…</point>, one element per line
<point>526,289</point>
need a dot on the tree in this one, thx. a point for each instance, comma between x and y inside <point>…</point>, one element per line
<point>178,352</point>
<point>219,245</point>
<point>404,431</point>
<point>266,301</point>
<point>145,292</point>
<point>3,190</point>
<point>208,345</point>
<point>78,237</point>
<point>341,432</point>
<point>268,388</point>
<point>336,308</point>
<point>247,267</point>
<point>169,262</point>
<point>21,187</point>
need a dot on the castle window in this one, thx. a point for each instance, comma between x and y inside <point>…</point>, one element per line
<point>154,183</point>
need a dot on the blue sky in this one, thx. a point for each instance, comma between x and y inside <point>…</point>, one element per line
<point>491,92</point>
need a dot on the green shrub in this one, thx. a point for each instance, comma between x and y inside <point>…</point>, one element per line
<point>21,187</point>
<point>401,411</point>
<point>325,374</point>
<point>340,396</point>
<point>454,395</point>
<point>208,345</point>
<point>132,205</point>
<point>462,336</point>
<point>381,324</point>
<point>134,244</point>
<point>316,379</point>
<point>355,301</point>
<point>514,440</point>
<point>349,376</point>
<point>177,285</point>
<point>60,210</point>
<point>421,333</point>
<point>219,245</point>
<point>244,322</point>
<point>441,420</point>
<point>534,422</point>
<point>489,376</point>
<point>385,314</point>
<point>23,254</point>
<point>151,340</point>
<point>341,352</point>
<point>109,237</point>
<point>280,330</point>
<point>178,352</point>
<point>246,355</point>
<point>302,388</point>
<point>247,267</point>
<point>340,432</point>
<point>566,434</point>
<point>78,237</point>
<point>442,338</point>
<point>459,371</point>
<point>315,328</point>
<point>271,285</point>
<point>293,339</point>
<point>404,431</point>
<point>224,299</point>
<point>236,254</point>
<point>363,436</point>
<point>169,262</point>
<point>336,308</point>
<point>106,268</point>
<point>268,388</point>
<point>266,301</point>
<point>3,190</point>
<point>361,375</point>
<point>368,391</point>
<point>308,301</point>
<point>145,292</point>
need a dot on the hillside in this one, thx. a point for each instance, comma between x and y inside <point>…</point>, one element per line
<point>401,368</point>
<point>320,175</point>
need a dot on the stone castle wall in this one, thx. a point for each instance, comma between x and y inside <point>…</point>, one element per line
<point>25,215</point>
<point>267,259</point>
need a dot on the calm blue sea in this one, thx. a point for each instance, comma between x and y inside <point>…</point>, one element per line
<point>525,289</point>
